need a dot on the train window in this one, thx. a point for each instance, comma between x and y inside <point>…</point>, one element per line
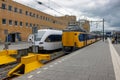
<point>53,38</point>
<point>90,37</point>
<point>82,37</point>
<point>39,35</point>
<point>50,38</point>
<point>58,38</point>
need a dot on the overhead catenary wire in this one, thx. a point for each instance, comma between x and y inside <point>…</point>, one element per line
<point>49,7</point>
<point>62,7</point>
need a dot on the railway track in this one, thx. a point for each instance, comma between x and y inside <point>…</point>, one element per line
<point>4,69</point>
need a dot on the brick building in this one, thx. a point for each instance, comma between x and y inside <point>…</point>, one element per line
<point>19,19</point>
<point>85,24</point>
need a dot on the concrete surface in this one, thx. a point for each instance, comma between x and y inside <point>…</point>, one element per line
<point>90,63</point>
<point>18,45</point>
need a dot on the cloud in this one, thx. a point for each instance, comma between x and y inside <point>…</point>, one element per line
<point>90,9</point>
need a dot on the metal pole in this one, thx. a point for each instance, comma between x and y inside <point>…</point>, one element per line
<point>103,29</point>
<point>6,42</point>
<point>34,31</point>
<point>34,50</point>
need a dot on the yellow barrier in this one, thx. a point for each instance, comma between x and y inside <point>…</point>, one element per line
<point>28,63</point>
<point>5,57</point>
<point>8,52</point>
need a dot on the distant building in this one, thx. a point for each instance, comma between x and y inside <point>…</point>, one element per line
<point>71,20</point>
<point>17,20</point>
<point>84,24</point>
<point>68,19</point>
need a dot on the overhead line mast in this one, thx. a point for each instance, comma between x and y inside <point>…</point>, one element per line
<point>103,26</point>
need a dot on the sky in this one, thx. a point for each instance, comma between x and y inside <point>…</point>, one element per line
<point>92,10</point>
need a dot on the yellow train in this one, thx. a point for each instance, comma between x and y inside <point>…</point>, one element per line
<point>74,39</point>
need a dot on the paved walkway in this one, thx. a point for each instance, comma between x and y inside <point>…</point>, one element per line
<point>16,46</point>
<point>117,47</point>
<point>93,62</point>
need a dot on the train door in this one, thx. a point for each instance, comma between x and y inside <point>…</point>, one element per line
<point>82,39</point>
<point>85,39</point>
<point>85,42</point>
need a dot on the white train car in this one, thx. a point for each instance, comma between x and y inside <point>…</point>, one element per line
<point>48,39</point>
<point>31,38</point>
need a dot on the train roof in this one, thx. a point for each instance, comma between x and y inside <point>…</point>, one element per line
<point>49,30</point>
<point>74,28</point>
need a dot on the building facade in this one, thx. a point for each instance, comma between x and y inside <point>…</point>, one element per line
<point>68,19</point>
<point>17,21</point>
<point>84,24</point>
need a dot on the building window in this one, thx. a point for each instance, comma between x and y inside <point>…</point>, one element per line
<point>41,17</point>
<point>3,21</point>
<point>21,24</point>
<point>54,21</point>
<point>37,16</point>
<point>3,6</point>
<point>33,25</point>
<point>10,22</point>
<point>30,14</point>
<point>30,24</point>
<point>20,11</point>
<point>16,23</point>
<point>37,25</point>
<point>33,15</point>
<point>3,0</point>
<point>15,9</point>
<point>46,18</point>
<point>10,8</point>
<point>26,24</point>
<point>26,12</point>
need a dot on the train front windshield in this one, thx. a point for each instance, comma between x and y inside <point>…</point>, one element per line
<point>39,35</point>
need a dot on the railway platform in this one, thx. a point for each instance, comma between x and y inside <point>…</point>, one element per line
<point>99,61</point>
<point>17,46</point>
